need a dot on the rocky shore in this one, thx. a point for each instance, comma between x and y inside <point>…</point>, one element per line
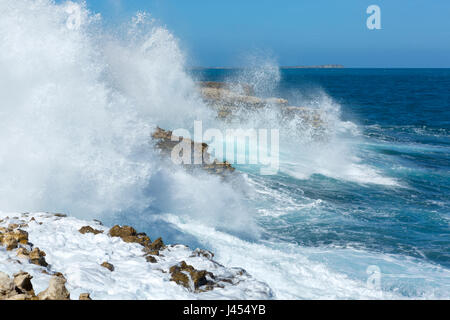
<point>47,256</point>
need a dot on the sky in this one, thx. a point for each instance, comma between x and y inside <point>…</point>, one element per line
<point>214,33</point>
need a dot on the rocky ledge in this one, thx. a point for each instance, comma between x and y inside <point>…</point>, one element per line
<point>65,258</point>
<point>164,142</point>
<point>233,100</point>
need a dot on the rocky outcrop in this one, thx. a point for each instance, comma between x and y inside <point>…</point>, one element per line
<point>84,296</point>
<point>165,144</point>
<point>231,102</point>
<point>108,266</point>
<point>89,229</point>
<point>56,290</point>
<point>190,278</point>
<point>193,270</point>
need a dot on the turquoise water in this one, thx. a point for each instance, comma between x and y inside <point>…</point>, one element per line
<point>403,120</point>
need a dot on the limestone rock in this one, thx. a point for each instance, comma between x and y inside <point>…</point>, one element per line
<point>129,235</point>
<point>85,296</point>
<point>202,253</point>
<point>22,283</point>
<point>108,266</point>
<point>56,290</point>
<point>6,285</point>
<point>151,259</point>
<point>187,276</point>
<point>88,229</point>
<point>37,257</point>
<point>23,253</point>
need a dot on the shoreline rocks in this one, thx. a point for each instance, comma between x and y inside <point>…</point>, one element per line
<point>128,255</point>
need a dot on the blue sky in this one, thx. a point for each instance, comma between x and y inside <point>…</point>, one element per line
<point>415,33</point>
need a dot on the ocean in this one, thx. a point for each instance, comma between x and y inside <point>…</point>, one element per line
<point>358,209</point>
<point>398,205</point>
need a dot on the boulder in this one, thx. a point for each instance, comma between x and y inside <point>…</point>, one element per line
<point>108,266</point>
<point>84,296</point>
<point>37,257</point>
<point>129,235</point>
<point>22,283</point>
<point>6,285</point>
<point>56,290</point>
<point>192,279</point>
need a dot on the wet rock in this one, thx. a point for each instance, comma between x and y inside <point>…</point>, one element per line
<point>13,226</point>
<point>202,253</point>
<point>151,259</point>
<point>37,257</point>
<point>166,146</point>
<point>23,253</point>
<point>187,276</point>
<point>9,241</point>
<point>22,283</point>
<point>157,245</point>
<point>60,215</point>
<point>129,235</point>
<point>6,285</point>
<point>20,235</point>
<point>108,266</point>
<point>11,237</point>
<point>56,290</point>
<point>88,229</point>
<point>84,296</point>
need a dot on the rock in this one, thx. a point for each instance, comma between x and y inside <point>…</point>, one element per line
<point>157,245</point>
<point>37,257</point>
<point>60,215</point>
<point>9,241</point>
<point>187,276</point>
<point>13,226</point>
<point>202,253</point>
<point>21,236</point>
<point>240,87</point>
<point>12,237</point>
<point>88,229</point>
<point>6,285</point>
<point>129,235</point>
<point>85,296</point>
<point>125,231</point>
<point>108,266</point>
<point>22,283</point>
<point>56,290</point>
<point>23,253</point>
<point>151,259</point>
<point>165,144</point>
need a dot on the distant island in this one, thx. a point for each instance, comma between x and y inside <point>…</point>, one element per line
<point>321,66</point>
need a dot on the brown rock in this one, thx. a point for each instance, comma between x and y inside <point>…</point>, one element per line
<point>108,266</point>
<point>185,275</point>
<point>118,231</point>
<point>22,283</point>
<point>85,296</point>
<point>129,235</point>
<point>88,229</point>
<point>150,259</point>
<point>157,245</point>
<point>9,241</point>
<point>6,285</point>
<point>56,290</point>
<point>23,253</point>
<point>202,253</point>
<point>13,226</point>
<point>37,257</point>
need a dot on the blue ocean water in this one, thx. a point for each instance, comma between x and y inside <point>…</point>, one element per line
<point>403,116</point>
